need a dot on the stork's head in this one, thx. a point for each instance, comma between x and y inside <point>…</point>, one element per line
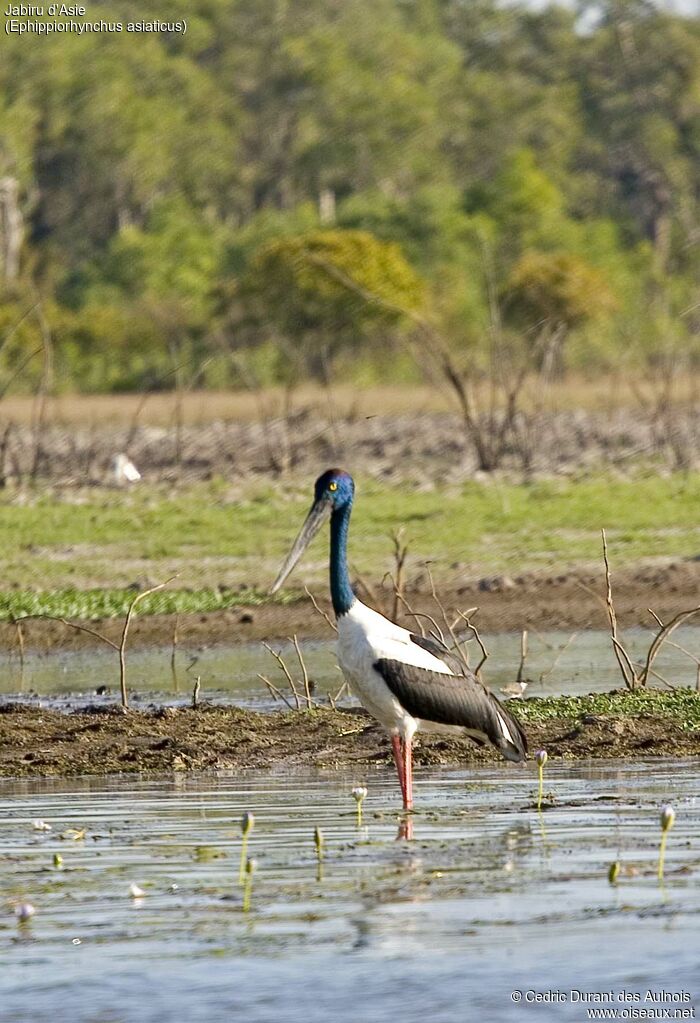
<point>333,491</point>
<point>334,486</point>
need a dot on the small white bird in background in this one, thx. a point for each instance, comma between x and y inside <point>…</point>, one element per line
<point>125,471</point>
<point>515,690</point>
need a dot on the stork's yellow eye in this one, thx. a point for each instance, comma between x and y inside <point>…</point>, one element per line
<point>332,486</point>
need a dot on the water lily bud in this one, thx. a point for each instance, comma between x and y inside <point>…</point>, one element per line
<point>40,825</point>
<point>247,823</point>
<point>359,793</point>
<point>251,866</point>
<point>57,860</point>
<point>668,818</point>
<point>318,839</point>
<point>614,872</point>
<point>541,757</point>
<point>24,911</point>
<point>135,892</point>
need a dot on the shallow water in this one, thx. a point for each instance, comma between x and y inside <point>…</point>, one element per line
<point>558,662</point>
<point>489,898</point>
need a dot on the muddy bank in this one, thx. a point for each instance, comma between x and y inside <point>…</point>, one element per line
<point>35,742</point>
<point>574,600</point>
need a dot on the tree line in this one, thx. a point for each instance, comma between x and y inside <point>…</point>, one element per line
<point>303,188</point>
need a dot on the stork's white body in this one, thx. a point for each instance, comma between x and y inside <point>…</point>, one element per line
<point>406,682</point>
<point>364,637</point>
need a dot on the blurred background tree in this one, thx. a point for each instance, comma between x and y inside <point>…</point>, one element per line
<point>176,199</point>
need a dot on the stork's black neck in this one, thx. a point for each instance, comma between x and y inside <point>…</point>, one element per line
<point>341,591</point>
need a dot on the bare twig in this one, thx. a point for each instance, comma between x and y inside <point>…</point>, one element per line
<point>277,693</point>
<point>477,637</point>
<point>125,631</point>
<point>523,657</point>
<point>173,651</point>
<point>623,658</point>
<point>120,647</point>
<point>560,654</point>
<point>304,673</point>
<point>287,674</point>
<point>319,610</point>
<point>195,691</point>
<point>456,642</point>
<point>662,635</point>
<point>400,555</point>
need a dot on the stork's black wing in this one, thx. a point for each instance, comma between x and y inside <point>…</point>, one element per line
<point>438,650</point>
<point>459,700</point>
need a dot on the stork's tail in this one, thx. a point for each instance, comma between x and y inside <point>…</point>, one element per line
<point>505,733</point>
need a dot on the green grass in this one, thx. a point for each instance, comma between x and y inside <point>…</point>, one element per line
<point>93,604</point>
<point>681,704</point>
<point>108,541</point>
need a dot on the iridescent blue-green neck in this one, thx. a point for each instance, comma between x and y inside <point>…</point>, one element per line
<point>341,591</point>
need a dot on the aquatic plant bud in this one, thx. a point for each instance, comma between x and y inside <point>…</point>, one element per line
<point>24,911</point>
<point>359,793</point>
<point>135,892</point>
<point>247,825</point>
<point>614,872</point>
<point>57,860</point>
<point>40,825</point>
<point>318,840</point>
<point>540,759</point>
<point>251,865</point>
<point>668,819</point>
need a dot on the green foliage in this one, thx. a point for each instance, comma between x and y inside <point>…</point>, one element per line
<point>557,288</point>
<point>327,287</point>
<point>680,704</point>
<point>109,603</point>
<point>156,179</point>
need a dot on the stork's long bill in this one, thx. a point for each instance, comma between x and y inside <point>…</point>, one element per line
<point>319,513</point>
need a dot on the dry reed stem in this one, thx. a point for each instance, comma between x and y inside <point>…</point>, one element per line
<point>287,674</point>
<point>661,637</point>
<point>623,659</point>
<point>319,610</point>
<point>523,657</point>
<point>277,693</point>
<point>125,631</point>
<point>304,673</point>
<point>562,650</point>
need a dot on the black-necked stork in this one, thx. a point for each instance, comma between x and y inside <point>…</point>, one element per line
<point>406,681</point>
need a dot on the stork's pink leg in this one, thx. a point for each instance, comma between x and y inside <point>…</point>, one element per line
<point>407,774</point>
<point>397,749</point>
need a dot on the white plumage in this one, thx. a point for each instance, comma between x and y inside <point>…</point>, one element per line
<point>366,637</point>
<point>406,681</point>
<point>124,470</point>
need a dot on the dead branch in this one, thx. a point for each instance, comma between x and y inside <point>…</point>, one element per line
<point>623,658</point>
<point>523,657</point>
<point>662,635</point>
<point>477,636</point>
<point>277,693</point>
<point>319,610</point>
<point>125,631</point>
<point>400,555</point>
<point>304,673</point>
<point>560,654</point>
<point>287,674</point>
